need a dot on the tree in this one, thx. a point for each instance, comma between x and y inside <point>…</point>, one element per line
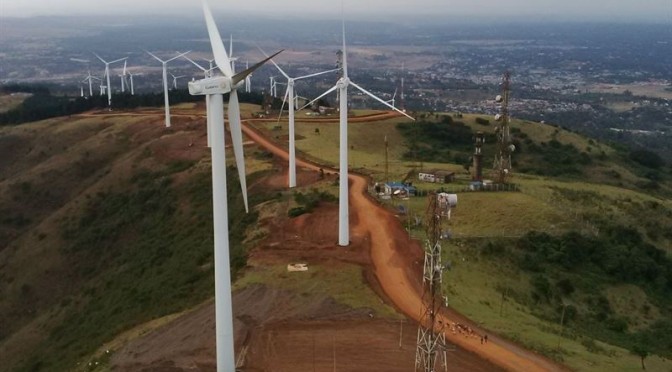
<point>641,351</point>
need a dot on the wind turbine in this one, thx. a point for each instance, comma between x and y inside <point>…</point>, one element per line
<point>130,78</point>
<point>272,87</point>
<point>248,79</point>
<point>89,78</point>
<point>214,89</point>
<point>342,87</point>
<point>207,73</point>
<point>393,97</point>
<point>231,57</point>
<point>175,79</point>
<point>165,82</point>
<point>107,74</point>
<point>123,79</point>
<point>290,96</point>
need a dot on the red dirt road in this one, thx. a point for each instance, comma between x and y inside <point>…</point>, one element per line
<point>393,266</point>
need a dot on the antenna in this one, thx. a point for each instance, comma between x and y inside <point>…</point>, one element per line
<point>478,157</point>
<point>431,341</point>
<point>502,165</point>
<point>387,163</point>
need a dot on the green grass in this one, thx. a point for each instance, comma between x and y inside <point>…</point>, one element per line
<point>143,251</point>
<point>474,286</point>
<point>345,283</point>
<point>606,191</point>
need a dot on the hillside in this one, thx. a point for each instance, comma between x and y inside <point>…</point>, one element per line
<point>604,205</point>
<point>104,226</point>
<point>105,243</point>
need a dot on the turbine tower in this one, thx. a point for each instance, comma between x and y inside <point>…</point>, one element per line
<point>123,79</point>
<point>214,89</point>
<point>107,75</point>
<point>130,78</point>
<point>342,87</point>
<point>290,96</point>
<point>165,82</point>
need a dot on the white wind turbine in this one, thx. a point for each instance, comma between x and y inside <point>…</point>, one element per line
<point>123,79</point>
<point>342,87</point>
<point>291,98</point>
<point>175,79</point>
<point>165,82</point>
<point>231,57</point>
<point>207,74</point>
<point>214,89</point>
<point>272,87</point>
<point>130,78</point>
<point>89,78</point>
<point>248,79</point>
<point>391,101</point>
<point>107,75</point>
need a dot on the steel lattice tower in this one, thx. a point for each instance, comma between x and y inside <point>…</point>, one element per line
<point>431,344</point>
<point>502,165</point>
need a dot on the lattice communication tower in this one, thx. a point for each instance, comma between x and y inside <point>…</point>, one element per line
<point>431,343</point>
<point>502,165</point>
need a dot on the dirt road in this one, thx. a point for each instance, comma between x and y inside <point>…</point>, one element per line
<point>394,270</point>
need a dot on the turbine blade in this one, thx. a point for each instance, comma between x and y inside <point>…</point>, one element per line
<point>216,43</point>
<point>380,100</point>
<point>195,64</point>
<point>155,57</point>
<point>242,75</point>
<point>316,99</point>
<point>273,62</point>
<point>119,60</point>
<point>317,74</point>
<point>237,140</point>
<point>231,46</point>
<point>97,56</point>
<point>345,54</point>
<point>178,56</point>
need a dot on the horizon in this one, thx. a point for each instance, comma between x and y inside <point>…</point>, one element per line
<point>654,11</point>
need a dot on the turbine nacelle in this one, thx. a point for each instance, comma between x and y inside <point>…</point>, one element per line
<point>215,85</point>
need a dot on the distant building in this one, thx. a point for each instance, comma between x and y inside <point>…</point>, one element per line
<point>398,188</point>
<point>437,176</point>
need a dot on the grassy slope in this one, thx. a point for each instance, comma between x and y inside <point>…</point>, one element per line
<point>101,201</point>
<point>546,204</point>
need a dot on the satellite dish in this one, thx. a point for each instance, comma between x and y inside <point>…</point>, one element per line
<point>498,117</point>
<point>499,98</point>
<point>397,192</point>
<point>512,148</point>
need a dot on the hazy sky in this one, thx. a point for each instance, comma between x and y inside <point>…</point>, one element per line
<point>622,10</point>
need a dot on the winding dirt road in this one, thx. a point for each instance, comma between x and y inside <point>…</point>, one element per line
<point>392,270</point>
<point>389,253</point>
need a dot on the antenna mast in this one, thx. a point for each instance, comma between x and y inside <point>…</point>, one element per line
<point>387,164</point>
<point>431,344</point>
<point>502,165</point>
